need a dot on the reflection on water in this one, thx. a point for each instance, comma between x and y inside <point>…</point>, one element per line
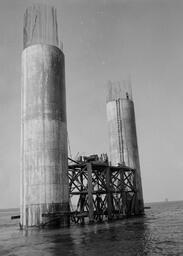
<point>160,232</point>
<point>112,239</point>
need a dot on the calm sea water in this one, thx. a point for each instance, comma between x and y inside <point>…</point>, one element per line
<point>159,232</point>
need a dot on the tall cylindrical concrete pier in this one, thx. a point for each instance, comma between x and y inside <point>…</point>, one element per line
<point>122,133</point>
<point>44,180</point>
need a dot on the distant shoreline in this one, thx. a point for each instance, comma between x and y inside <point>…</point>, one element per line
<point>146,203</point>
<point>10,210</point>
<point>164,202</point>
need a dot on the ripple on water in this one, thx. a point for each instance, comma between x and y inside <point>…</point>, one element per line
<point>160,232</point>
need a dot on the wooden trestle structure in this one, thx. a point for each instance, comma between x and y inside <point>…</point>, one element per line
<point>101,192</point>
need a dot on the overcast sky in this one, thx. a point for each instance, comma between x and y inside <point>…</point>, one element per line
<point>105,40</point>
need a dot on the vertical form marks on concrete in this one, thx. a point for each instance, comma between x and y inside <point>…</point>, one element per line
<point>43,120</point>
<point>122,131</point>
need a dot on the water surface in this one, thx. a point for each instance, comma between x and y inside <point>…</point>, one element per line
<point>159,232</point>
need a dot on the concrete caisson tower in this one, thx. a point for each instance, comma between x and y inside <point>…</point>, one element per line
<point>44,180</point>
<point>122,133</point>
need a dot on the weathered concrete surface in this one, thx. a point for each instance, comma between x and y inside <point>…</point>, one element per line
<point>113,133</point>
<point>44,134</point>
<point>123,136</point>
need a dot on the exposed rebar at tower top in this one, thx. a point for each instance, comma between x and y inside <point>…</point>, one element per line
<point>119,90</point>
<point>40,25</point>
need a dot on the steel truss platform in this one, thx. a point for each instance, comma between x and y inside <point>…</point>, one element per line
<point>101,192</point>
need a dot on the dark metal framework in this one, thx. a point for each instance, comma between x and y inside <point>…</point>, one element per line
<point>101,192</point>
